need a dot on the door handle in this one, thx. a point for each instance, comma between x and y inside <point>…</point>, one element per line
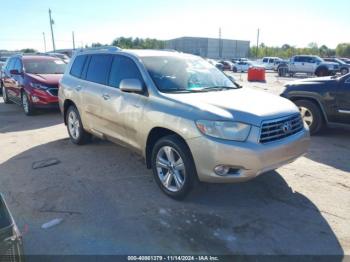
<point>78,88</point>
<point>106,96</point>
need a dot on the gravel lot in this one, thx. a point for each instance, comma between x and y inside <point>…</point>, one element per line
<point>110,203</point>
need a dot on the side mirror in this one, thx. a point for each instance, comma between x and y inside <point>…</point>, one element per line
<point>131,85</point>
<point>15,72</point>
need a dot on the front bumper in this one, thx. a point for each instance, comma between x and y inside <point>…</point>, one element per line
<point>42,99</point>
<point>249,158</point>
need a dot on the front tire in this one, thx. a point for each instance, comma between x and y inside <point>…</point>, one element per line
<point>344,71</point>
<point>27,105</point>
<point>173,167</point>
<point>75,127</point>
<point>311,114</point>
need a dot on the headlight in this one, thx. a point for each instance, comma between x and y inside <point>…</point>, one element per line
<point>38,86</point>
<point>224,129</point>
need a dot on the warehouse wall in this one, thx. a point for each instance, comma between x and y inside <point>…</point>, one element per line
<point>210,47</point>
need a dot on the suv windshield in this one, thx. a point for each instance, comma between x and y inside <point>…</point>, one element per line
<point>185,74</point>
<point>44,66</point>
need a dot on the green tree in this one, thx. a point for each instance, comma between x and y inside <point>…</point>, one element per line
<point>343,50</point>
<point>28,50</point>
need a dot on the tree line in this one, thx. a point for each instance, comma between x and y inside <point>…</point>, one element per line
<point>286,51</point>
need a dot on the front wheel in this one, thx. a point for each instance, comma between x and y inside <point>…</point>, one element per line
<point>173,167</point>
<point>27,105</point>
<point>75,128</point>
<point>311,114</point>
<point>344,71</point>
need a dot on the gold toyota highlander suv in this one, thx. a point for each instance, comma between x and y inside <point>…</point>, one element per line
<point>184,116</point>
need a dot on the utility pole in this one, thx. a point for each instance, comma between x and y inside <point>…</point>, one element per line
<point>73,40</point>
<point>44,41</point>
<point>53,38</point>
<point>257,43</point>
<point>220,43</point>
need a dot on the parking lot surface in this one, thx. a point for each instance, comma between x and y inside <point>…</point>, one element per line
<point>110,203</point>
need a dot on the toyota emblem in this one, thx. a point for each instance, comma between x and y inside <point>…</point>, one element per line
<point>287,127</point>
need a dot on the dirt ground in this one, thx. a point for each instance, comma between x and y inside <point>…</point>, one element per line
<point>110,203</point>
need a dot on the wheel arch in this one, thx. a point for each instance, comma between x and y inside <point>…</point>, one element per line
<point>67,103</point>
<point>313,100</point>
<point>154,135</point>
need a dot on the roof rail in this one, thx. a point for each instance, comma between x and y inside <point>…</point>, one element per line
<point>100,48</point>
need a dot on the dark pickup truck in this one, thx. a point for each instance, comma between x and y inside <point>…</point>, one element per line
<point>322,101</point>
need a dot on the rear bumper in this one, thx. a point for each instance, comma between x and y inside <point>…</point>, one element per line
<point>249,159</point>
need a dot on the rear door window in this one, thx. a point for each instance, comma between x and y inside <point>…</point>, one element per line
<point>123,68</point>
<point>99,67</point>
<point>78,65</point>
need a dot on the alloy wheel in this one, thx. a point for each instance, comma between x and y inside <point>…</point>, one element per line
<point>170,169</point>
<point>73,125</point>
<point>25,103</point>
<point>307,116</point>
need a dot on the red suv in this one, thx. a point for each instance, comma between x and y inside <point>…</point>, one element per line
<point>32,81</point>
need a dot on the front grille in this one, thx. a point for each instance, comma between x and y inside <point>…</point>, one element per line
<point>280,128</point>
<point>53,91</point>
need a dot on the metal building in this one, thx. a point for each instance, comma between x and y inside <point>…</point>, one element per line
<point>214,48</point>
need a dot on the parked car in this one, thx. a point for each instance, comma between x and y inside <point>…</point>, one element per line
<point>344,68</point>
<point>322,101</point>
<point>11,242</point>
<point>243,66</point>
<point>308,64</point>
<point>346,60</point>
<point>277,63</point>
<point>216,64</point>
<point>269,62</point>
<point>228,65</point>
<point>32,81</point>
<point>64,57</point>
<point>184,116</point>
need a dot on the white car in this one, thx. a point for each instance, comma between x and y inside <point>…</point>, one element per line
<point>243,66</point>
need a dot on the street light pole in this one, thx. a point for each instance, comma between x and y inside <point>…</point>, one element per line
<point>73,40</point>
<point>44,41</point>
<point>53,38</point>
<point>257,43</point>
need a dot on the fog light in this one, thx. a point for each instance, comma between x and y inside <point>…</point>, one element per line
<point>222,170</point>
<point>35,99</point>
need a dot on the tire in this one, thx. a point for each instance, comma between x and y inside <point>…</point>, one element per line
<point>5,96</point>
<point>182,177</point>
<point>311,114</point>
<point>344,71</point>
<point>234,69</point>
<point>75,128</point>
<point>27,106</point>
<point>322,72</point>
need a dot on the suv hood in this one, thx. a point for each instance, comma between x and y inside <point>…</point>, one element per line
<point>243,104</point>
<point>48,79</point>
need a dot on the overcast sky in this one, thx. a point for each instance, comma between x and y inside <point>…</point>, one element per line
<point>295,22</point>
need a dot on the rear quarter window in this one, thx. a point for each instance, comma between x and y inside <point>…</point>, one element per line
<point>78,66</point>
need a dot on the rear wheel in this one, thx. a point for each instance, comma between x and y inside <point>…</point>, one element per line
<point>173,167</point>
<point>311,115</point>
<point>75,128</point>
<point>322,72</point>
<point>5,96</point>
<point>27,105</point>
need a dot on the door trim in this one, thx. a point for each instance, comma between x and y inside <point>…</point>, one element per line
<point>344,111</point>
